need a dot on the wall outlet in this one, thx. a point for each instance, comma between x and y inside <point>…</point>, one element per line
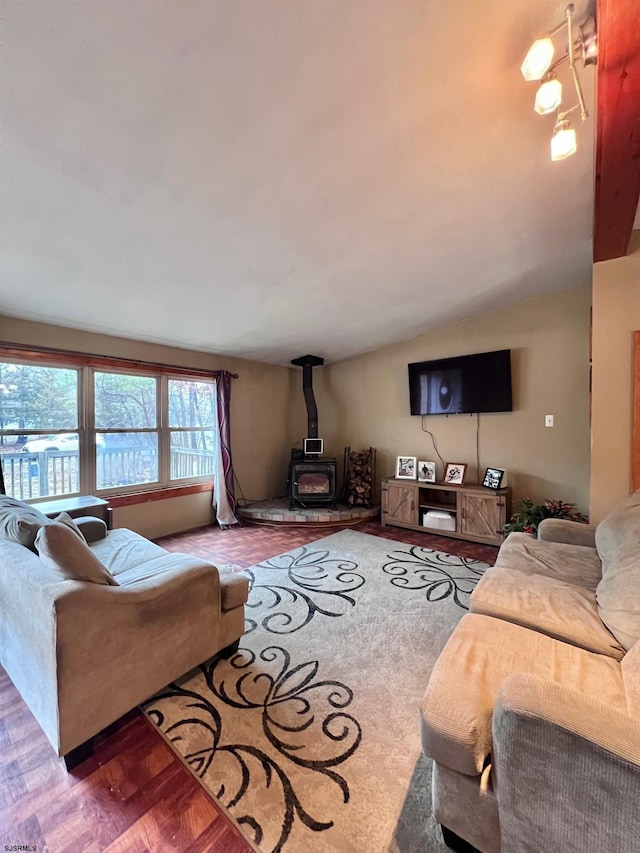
<point>548,420</point>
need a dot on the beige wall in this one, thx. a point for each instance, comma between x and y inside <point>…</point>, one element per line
<point>265,419</point>
<point>364,401</point>
<point>616,315</point>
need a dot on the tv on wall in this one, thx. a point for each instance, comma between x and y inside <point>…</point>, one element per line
<point>462,385</point>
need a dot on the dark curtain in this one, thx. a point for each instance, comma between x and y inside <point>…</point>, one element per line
<point>224,499</point>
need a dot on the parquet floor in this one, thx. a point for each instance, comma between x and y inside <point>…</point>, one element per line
<point>133,795</point>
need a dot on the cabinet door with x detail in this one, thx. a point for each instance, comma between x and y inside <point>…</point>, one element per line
<point>401,503</point>
<point>483,517</point>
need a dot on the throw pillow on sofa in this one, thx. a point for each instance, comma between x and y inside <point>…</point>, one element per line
<point>20,522</point>
<point>65,518</point>
<point>64,551</point>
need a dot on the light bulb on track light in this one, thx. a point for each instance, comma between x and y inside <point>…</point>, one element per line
<point>563,141</point>
<point>548,97</point>
<point>538,59</point>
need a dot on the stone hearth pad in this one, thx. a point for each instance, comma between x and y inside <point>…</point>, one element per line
<point>277,511</point>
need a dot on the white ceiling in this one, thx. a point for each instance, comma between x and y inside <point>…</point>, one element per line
<point>267,178</point>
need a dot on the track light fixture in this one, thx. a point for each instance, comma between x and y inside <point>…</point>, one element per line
<point>539,63</point>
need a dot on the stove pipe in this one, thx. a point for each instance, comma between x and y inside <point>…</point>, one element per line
<point>307,363</point>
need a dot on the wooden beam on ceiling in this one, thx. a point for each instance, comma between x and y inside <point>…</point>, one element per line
<point>618,127</point>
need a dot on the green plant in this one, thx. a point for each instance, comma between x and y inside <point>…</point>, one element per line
<point>528,515</point>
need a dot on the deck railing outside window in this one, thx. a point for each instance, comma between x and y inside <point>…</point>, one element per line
<point>55,472</point>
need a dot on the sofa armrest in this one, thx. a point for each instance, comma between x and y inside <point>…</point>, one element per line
<point>117,645</point>
<point>234,588</point>
<point>93,529</point>
<point>567,769</point>
<point>28,633</point>
<point>567,532</point>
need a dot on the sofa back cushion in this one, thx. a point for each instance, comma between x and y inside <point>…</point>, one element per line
<point>618,597</point>
<point>618,593</point>
<point>619,533</point>
<point>20,522</point>
<point>62,549</point>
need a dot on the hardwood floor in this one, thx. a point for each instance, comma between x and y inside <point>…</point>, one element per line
<point>133,795</point>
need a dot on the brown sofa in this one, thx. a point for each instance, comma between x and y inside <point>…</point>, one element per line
<point>83,652</point>
<point>532,711</point>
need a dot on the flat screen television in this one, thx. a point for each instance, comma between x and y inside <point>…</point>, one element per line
<point>463,384</point>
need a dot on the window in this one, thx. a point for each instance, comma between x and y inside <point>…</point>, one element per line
<point>87,429</point>
<point>191,427</point>
<point>39,430</point>
<point>126,406</point>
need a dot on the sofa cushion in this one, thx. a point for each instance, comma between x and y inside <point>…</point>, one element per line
<point>62,549</point>
<point>20,522</point>
<point>618,593</point>
<point>618,597</point>
<point>158,569</point>
<point>631,679</point>
<point>123,549</point>
<point>551,606</point>
<point>618,535</point>
<point>574,564</point>
<point>482,652</point>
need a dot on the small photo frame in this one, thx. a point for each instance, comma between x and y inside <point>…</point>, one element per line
<point>427,472</point>
<point>493,478</point>
<point>406,468</point>
<point>454,473</point>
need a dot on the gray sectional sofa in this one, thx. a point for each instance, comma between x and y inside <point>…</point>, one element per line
<point>94,622</point>
<point>532,711</point>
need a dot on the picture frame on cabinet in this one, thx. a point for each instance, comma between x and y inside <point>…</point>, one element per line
<point>454,473</point>
<point>426,472</point>
<point>406,468</point>
<point>493,478</point>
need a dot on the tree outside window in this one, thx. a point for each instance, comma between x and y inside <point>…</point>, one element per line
<point>81,430</point>
<point>191,407</point>
<point>39,430</point>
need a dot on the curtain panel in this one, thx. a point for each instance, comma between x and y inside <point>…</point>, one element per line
<point>224,500</point>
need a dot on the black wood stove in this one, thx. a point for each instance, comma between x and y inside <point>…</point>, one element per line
<point>312,477</point>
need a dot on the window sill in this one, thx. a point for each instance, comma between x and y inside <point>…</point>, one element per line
<point>158,494</point>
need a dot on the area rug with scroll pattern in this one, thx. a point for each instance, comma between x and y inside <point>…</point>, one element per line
<point>309,735</point>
